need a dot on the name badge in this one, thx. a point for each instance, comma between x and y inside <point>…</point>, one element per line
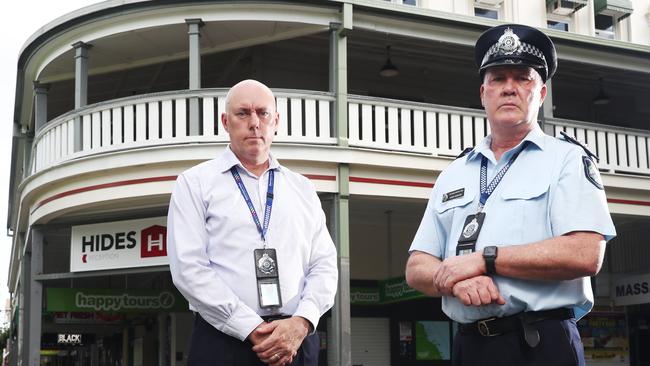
<point>453,195</point>
<point>469,235</point>
<point>268,281</point>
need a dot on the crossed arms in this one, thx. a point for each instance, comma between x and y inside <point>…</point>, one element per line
<point>573,255</point>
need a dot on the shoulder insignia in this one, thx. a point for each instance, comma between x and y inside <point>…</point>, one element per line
<point>591,172</point>
<point>465,152</point>
<point>570,139</point>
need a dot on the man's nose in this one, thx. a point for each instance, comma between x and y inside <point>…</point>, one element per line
<point>509,86</point>
<point>254,120</point>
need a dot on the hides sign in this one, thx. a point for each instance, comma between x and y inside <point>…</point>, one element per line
<point>119,244</point>
<point>632,290</point>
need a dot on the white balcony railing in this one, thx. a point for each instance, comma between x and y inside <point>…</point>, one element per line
<point>373,123</point>
<point>163,118</point>
<point>415,127</point>
<point>620,150</point>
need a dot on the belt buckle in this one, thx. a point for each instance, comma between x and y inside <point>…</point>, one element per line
<point>484,329</point>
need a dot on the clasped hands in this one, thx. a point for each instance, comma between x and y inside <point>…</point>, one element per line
<point>464,278</point>
<point>276,343</point>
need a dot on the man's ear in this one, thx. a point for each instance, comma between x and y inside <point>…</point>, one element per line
<point>224,121</point>
<point>276,122</point>
<point>543,92</point>
<point>481,90</point>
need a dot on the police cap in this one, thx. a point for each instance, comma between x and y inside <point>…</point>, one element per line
<point>517,45</point>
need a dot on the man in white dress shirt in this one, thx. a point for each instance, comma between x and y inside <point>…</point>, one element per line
<point>249,247</point>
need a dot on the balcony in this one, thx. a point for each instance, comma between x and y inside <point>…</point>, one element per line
<point>373,123</point>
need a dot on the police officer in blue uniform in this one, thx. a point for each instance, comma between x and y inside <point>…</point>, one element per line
<point>514,227</point>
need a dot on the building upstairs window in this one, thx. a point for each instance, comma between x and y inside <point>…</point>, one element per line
<point>405,2</point>
<point>608,15</point>
<point>605,26</point>
<point>487,8</point>
<point>564,7</point>
<point>558,25</point>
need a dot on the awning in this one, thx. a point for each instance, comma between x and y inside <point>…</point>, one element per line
<point>565,7</point>
<point>619,9</point>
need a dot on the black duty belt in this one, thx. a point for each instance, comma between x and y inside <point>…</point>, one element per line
<point>496,326</point>
<point>270,318</point>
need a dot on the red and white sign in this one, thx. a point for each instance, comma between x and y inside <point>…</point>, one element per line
<point>119,244</point>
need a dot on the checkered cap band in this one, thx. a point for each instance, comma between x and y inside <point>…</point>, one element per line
<point>524,48</point>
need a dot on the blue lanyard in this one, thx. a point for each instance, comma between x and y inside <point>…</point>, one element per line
<point>487,189</point>
<point>247,198</point>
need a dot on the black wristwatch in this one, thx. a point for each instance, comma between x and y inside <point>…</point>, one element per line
<point>490,257</point>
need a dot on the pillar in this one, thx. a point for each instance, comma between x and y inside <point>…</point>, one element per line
<point>194,33</point>
<point>80,87</point>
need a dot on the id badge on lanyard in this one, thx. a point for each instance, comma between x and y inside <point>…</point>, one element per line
<point>474,223</point>
<point>265,259</point>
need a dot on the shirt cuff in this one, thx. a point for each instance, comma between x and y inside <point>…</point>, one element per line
<point>242,322</point>
<point>309,311</point>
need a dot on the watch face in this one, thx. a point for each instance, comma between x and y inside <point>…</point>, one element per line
<point>490,251</point>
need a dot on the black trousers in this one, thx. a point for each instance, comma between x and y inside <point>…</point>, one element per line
<point>559,345</point>
<point>209,346</point>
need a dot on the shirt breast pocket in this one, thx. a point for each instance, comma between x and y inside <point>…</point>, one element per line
<point>523,214</point>
<point>451,215</point>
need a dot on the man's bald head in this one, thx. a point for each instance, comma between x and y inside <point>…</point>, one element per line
<point>244,86</point>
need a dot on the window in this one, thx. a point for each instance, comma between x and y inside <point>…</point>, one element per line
<point>486,13</point>
<point>557,25</point>
<point>404,2</point>
<point>605,27</point>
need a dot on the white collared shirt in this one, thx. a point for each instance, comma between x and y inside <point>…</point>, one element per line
<point>211,237</point>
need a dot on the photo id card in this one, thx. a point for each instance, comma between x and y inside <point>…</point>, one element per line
<point>470,233</point>
<point>268,281</point>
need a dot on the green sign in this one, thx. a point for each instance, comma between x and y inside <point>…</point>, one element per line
<point>364,295</point>
<point>396,289</point>
<point>114,300</point>
<point>387,291</point>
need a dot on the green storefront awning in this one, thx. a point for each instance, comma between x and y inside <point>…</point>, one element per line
<point>618,9</point>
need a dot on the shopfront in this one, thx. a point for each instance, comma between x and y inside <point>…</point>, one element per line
<point>112,326</point>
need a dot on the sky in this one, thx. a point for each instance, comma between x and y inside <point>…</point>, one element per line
<point>21,19</point>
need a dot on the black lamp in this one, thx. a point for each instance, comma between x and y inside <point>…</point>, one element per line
<point>601,98</point>
<point>388,70</point>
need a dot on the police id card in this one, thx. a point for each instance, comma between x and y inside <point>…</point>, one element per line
<point>469,235</point>
<point>268,281</point>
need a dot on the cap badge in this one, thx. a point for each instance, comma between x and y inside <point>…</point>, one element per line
<point>509,42</point>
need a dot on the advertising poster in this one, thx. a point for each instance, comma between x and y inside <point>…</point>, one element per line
<point>604,336</point>
<point>432,340</point>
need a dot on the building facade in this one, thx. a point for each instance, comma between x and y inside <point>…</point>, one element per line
<point>114,100</point>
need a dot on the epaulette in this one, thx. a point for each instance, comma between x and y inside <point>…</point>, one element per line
<point>570,139</point>
<point>465,152</point>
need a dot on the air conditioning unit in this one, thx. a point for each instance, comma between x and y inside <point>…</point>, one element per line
<point>489,2</point>
<point>565,7</point>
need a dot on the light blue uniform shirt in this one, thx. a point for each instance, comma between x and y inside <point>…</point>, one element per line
<point>545,194</point>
